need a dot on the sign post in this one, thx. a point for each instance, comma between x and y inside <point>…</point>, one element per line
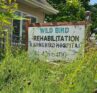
<point>60,41</point>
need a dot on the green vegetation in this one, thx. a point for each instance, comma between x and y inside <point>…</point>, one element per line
<point>7,9</point>
<point>73,10</point>
<point>20,75</point>
<point>94,16</point>
<point>69,10</point>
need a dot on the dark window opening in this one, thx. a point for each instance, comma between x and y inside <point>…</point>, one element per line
<point>19,27</point>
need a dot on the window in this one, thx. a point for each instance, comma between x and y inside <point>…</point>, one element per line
<point>19,25</point>
<point>16,29</point>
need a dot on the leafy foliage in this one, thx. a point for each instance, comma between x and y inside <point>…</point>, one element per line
<point>94,16</point>
<point>69,10</point>
<point>73,10</point>
<point>85,4</point>
<point>7,9</point>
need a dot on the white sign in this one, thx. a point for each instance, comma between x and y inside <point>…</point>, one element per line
<point>57,42</point>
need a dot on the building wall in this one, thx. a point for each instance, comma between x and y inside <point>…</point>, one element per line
<point>38,13</point>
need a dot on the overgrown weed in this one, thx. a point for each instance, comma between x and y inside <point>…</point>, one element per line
<point>19,74</point>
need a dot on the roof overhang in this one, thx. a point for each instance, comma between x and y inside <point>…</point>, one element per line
<point>46,8</point>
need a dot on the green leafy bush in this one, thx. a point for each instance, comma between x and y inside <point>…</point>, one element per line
<point>7,9</point>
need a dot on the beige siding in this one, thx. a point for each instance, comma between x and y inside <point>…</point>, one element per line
<point>33,11</point>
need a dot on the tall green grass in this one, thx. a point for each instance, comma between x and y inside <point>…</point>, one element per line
<point>18,74</point>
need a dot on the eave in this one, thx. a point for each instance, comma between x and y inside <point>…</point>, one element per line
<point>46,8</point>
